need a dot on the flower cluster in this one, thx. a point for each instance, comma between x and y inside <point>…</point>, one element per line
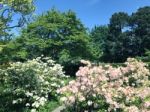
<point>99,88</point>
<point>32,82</point>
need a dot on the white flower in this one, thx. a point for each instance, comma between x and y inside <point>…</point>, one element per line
<point>62,82</point>
<point>89,103</point>
<point>29,94</point>
<point>46,82</point>
<point>27,104</point>
<point>72,82</point>
<point>45,76</point>
<point>58,91</point>
<point>14,101</point>
<point>42,101</point>
<point>83,87</point>
<point>33,110</point>
<point>53,84</point>
<point>35,104</point>
<point>94,95</point>
<point>46,70</point>
<point>20,99</point>
<point>63,99</point>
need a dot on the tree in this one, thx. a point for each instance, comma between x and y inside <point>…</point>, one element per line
<point>118,23</point>
<point>127,36</point>
<point>98,36</point>
<point>59,35</point>
<point>10,10</point>
<point>116,38</point>
<point>140,24</point>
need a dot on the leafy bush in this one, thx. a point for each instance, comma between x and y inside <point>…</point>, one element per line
<point>30,84</point>
<point>107,88</point>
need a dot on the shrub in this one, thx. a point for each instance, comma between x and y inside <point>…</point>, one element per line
<point>107,88</point>
<point>30,84</point>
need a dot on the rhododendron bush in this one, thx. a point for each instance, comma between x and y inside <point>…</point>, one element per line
<point>32,83</point>
<point>106,88</point>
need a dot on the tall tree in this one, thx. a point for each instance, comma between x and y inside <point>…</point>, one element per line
<point>140,24</point>
<point>129,36</point>
<point>98,36</point>
<point>61,36</point>
<point>113,45</point>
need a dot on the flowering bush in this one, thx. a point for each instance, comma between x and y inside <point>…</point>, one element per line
<point>32,83</point>
<point>105,88</point>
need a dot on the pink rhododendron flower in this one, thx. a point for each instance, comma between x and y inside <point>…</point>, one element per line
<point>118,87</point>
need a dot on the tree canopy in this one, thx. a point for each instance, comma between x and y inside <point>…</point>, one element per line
<point>61,36</point>
<point>127,36</point>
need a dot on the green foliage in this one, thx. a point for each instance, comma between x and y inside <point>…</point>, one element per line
<point>114,44</point>
<point>126,36</point>
<point>140,23</point>
<point>50,106</point>
<point>59,35</point>
<point>98,36</point>
<point>1,47</point>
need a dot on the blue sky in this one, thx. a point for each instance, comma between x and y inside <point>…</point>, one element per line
<point>92,12</point>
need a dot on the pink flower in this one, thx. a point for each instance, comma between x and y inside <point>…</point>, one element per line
<point>112,84</point>
<point>81,98</point>
<point>71,99</point>
<point>115,74</point>
<point>74,89</point>
<point>125,70</point>
<point>147,104</point>
<point>83,87</point>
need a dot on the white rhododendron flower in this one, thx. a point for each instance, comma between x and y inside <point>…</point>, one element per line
<point>36,79</point>
<point>33,110</point>
<point>89,103</point>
